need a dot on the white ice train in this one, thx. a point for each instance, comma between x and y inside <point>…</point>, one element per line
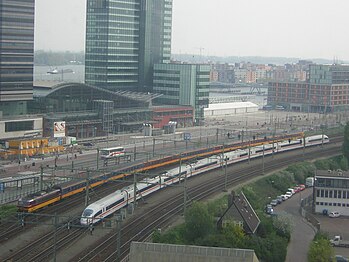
<point>108,205</point>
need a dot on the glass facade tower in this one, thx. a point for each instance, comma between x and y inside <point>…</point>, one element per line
<point>16,54</point>
<point>183,84</point>
<point>124,38</point>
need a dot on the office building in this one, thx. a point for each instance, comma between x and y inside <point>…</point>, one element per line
<point>331,192</point>
<point>124,39</point>
<point>329,74</point>
<point>183,84</point>
<point>16,55</point>
<point>326,90</point>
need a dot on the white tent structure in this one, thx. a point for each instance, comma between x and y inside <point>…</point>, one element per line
<point>222,109</point>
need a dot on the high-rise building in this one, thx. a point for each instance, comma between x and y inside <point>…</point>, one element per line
<point>124,39</point>
<point>16,55</point>
<point>183,84</point>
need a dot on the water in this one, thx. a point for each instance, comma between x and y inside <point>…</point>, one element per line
<point>77,76</point>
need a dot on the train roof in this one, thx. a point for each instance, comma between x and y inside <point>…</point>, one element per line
<point>317,137</point>
<point>109,199</point>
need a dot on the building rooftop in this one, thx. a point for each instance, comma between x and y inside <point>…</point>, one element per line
<point>154,252</point>
<point>335,174</point>
<point>240,209</point>
<point>230,105</point>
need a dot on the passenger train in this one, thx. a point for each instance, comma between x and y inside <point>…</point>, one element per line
<point>115,201</point>
<point>34,202</point>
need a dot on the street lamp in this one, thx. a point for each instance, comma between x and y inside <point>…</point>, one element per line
<point>225,174</point>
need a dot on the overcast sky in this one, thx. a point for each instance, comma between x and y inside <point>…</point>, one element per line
<point>288,28</point>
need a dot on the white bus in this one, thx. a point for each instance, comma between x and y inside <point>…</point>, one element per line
<point>113,152</point>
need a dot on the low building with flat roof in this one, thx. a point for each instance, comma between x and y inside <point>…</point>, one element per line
<point>154,252</point>
<point>220,109</point>
<point>331,192</point>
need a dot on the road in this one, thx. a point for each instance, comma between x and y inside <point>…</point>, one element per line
<point>302,232</point>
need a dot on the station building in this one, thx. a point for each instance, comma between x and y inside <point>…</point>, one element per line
<point>331,191</point>
<point>89,111</point>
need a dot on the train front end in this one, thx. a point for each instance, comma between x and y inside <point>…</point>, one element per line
<point>87,217</point>
<point>26,204</point>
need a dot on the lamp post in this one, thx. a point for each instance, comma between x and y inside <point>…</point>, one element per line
<point>263,161</point>
<point>225,174</point>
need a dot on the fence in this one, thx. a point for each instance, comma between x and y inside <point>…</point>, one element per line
<point>306,212</point>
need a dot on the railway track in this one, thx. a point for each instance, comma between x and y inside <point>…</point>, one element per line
<point>10,229</point>
<point>139,228</point>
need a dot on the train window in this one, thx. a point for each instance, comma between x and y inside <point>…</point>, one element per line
<point>98,213</point>
<point>114,204</point>
<point>87,212</point>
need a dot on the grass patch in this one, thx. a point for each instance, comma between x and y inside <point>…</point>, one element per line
<point>7,211</point>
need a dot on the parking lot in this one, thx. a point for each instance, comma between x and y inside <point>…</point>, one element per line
<point>303,232</point>
<point>334,227</point>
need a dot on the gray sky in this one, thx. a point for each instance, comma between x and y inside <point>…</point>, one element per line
<point>289,28</point>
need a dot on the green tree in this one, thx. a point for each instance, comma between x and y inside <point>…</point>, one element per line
<point>345,146</point>
<point>234,235</point>
<point>282,224</point>
<point>344,163</point>
<point>320,251</point>
<point>198,222</point>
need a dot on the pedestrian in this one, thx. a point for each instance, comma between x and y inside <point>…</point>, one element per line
<point>67,158</point>
<point>75,156</point>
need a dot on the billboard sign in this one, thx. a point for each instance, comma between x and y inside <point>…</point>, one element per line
<point>59,129</point>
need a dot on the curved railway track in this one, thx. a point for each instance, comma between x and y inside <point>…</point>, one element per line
<point>139,228</point>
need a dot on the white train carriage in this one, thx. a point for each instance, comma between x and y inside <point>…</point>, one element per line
<point>289,145</point>
<point>316,140</point>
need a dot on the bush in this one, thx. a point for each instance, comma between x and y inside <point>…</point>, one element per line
<point>301,171</point>
<point>320,251</point>
<point>218,207</point>
<point>198,222</point>
<point>7,211</point>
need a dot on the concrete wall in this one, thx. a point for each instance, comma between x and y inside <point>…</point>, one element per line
<point>153,252</point>
<point>38,128</point>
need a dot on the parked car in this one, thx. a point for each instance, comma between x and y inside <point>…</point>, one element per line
<point>302,187</point>
<point>291,190</point>
<point>334,214</point>
<point>289,194</point>
<point>297,189</point>
<point>269,209</point>
<point>339,258</point>
<point>279,199</point>
<point>284,197</point>
<point>274,202</point>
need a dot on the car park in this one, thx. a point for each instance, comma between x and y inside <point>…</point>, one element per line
<point>334,214</point>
